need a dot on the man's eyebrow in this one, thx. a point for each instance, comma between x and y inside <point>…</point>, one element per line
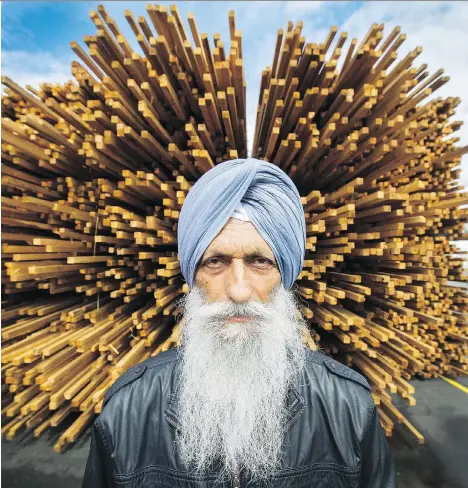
<point>256,253</point>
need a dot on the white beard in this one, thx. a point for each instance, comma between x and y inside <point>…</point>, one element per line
<point>234,381</point>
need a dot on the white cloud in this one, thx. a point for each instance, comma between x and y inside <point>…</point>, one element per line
<point>303,6</point>
<point>35,68</point>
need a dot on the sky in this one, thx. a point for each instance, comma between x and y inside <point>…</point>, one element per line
<point>36,36</point>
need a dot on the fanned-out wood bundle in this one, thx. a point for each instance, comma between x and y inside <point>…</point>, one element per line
<point>95,171</point>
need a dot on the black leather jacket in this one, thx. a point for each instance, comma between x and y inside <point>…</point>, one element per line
<point>334,437</point>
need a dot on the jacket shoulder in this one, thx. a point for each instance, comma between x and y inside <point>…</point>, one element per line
<point>137,372</point>
<point>337,368</point>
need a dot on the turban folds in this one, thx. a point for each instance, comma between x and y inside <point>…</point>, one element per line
<point>268,196</point>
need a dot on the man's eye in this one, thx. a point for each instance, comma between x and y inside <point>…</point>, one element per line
<point>259,261</point>
<point>263,262</point>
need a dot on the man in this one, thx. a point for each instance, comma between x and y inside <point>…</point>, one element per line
<point>242,402</point>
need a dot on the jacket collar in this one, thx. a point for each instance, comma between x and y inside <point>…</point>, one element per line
<point>295,406</point>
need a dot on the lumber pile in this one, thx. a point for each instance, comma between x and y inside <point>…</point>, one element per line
<point>382,203</point>
<point>95,171</point>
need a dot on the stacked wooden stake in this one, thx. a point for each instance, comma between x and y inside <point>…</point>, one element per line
<point>94,174</point>
<point>381,201</point>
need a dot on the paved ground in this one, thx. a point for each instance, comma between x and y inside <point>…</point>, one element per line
<point>441,415</point>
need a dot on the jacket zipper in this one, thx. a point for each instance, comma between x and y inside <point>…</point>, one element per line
<point>236,481</point>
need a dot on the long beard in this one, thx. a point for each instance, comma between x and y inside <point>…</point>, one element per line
<point>234,381</point>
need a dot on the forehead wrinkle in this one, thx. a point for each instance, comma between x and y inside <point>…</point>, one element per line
<point>233,246</point>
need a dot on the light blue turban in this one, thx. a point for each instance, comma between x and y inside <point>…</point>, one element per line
<point>271,201</point>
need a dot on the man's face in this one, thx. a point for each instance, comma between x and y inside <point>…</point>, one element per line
<point>238,266</point>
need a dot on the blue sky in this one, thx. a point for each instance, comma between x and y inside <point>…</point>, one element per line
<point>36,35</point>
<point>38,26</point>
<point>43,26</point>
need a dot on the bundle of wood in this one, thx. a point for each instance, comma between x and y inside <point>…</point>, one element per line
<point>94,174</point>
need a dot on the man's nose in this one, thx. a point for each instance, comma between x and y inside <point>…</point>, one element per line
<point>239,288</point>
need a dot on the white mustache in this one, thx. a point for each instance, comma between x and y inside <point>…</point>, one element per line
<point>225,310</point>
<point>218,311</point>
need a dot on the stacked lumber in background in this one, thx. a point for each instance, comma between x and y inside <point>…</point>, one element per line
<point>378,168</point>
<point>95,171</point>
